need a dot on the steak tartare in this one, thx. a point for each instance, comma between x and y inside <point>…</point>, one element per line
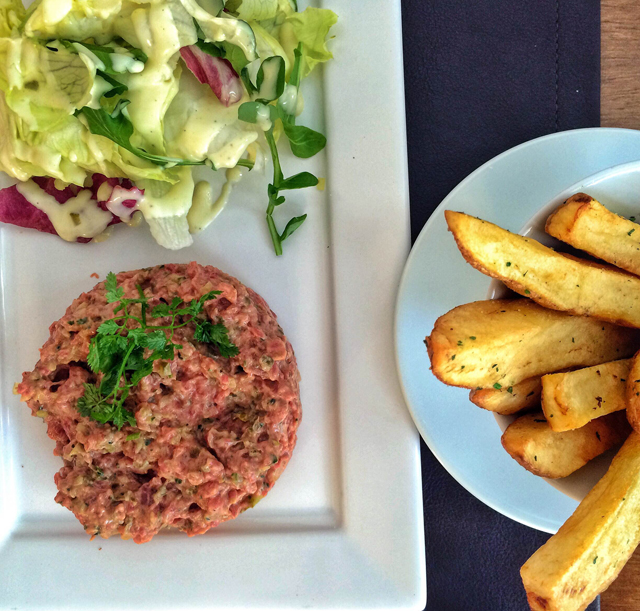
<point>212,433</point>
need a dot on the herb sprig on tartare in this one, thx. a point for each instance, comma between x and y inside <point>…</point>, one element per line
<point>125,353</point>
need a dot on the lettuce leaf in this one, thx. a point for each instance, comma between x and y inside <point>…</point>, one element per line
<point>75,19</point>
<point>41,86</point>
<point>165,209</point>
<point>311,28</point>
<point>11,15</point>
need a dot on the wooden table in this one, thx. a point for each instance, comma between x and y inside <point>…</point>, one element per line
<point>620,107</point>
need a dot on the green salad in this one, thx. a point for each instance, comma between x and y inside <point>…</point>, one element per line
<point>106,107</point>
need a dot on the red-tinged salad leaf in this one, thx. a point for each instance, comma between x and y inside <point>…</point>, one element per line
<point>216,72</point>
<point>16,210</point>
<point>121,200</point>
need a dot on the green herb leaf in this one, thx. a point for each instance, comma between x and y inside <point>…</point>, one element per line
<point>216,335</point>
<point>305,142</point>
<point>117,88</point>
<point>235,55</point>
<point>292,225</point>
<point>109,327</point>
<point>160,311</point>
<point>210,49</point>
<point>299,181</point>
<point>117,128</point>
<point>113,292</point>
<point>125,354</point>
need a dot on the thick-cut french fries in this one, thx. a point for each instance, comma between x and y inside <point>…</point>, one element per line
<point>633,393</point>
<point>586,224</point>
<point>505,401</point>
<point>571,399</point>
<point>539,449</point>
<point>592,546</point>
<point>498,343</point>
<point>553,280</point>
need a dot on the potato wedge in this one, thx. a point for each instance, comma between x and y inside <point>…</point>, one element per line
<point>633,393</point>
<point>553,280</point>
<point>592,546</point>
<point>531,441</point>
<point>586,224</point>
<point>498,343</point>
<point>571,399</point>
<point>505,401</point>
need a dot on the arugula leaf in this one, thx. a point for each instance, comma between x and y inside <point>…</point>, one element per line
<point>103,54</point>
<point>117,88</point>
<point>117,128</point>
<point>210,48</point>
<point>235,55</point>
<point>125,354</point>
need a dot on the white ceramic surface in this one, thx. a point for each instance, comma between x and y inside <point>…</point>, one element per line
<point>344,526</point>
<point>514,190</point>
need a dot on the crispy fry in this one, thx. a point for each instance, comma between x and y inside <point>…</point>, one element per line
<point>531,442</point>
<point>522,395</point>
<point>570,400</point>
<point>586,224</point>
<point>498,343</point>
<point>592,546</point>
<point>549,278</point>
<point>633,393</point>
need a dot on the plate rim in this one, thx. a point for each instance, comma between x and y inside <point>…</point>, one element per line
<point>472,487</point>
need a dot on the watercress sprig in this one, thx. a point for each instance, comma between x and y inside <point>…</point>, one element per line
<point>125,354</point>
<point>304,142</point>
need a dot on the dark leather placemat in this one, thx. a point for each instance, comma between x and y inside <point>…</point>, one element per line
<point>480,78</point>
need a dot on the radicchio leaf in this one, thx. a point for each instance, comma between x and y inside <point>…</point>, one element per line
<point>15,209</point>
<point>216,72</point>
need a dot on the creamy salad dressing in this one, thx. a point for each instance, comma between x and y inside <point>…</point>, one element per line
<point>119,195</point>
<point>198,126</point>
<point>152,90</point>
<point>203,210</point>
<point>263,118</point>
<point>99,88</point>
<point>125,63</point>
<point>90,55</point>
<point>79,217</point>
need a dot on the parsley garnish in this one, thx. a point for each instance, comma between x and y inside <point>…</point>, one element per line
<point>124,354</point>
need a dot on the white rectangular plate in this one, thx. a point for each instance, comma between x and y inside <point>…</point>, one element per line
<point>343,527</point>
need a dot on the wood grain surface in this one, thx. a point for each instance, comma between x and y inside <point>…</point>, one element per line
<point>620,107</point>
<point>620,77</point>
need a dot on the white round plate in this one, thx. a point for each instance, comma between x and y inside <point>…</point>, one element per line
<point>513,190</point>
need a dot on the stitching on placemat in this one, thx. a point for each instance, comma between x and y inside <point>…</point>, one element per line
<point>557,122</point>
